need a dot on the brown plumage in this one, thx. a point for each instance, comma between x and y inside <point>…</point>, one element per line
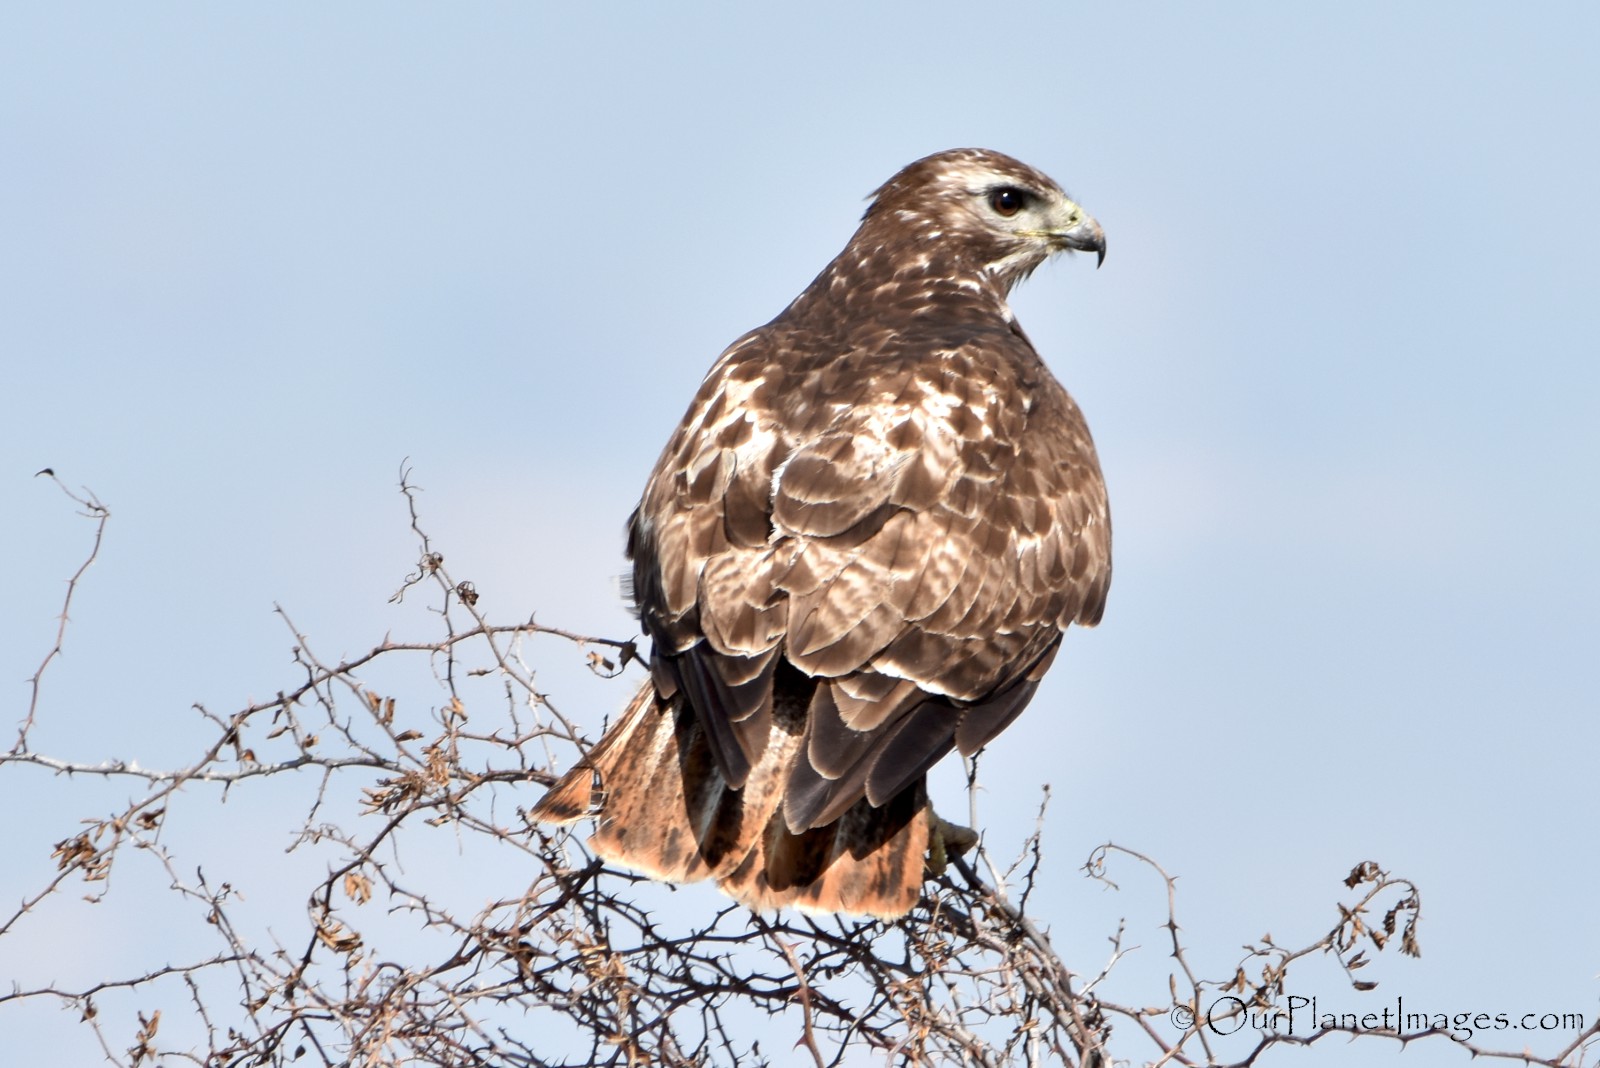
<point>858,551</point>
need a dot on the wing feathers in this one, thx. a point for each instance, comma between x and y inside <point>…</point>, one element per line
<point>667,811</point>
<point>909,749</point>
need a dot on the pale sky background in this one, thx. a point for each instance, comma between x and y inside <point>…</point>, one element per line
<point>1340,363</point>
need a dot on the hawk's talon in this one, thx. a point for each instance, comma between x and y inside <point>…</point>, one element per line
<point>946,840</point>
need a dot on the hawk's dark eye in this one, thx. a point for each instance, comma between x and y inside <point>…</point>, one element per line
<point>1007,200</point>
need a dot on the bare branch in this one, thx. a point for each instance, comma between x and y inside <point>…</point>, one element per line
<point>92,509</point>
<point>370,951</point>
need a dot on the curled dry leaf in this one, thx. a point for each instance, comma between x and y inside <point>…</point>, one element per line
<point>357,887</point>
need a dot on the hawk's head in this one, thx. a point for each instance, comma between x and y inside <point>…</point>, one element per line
<point>994,213</point>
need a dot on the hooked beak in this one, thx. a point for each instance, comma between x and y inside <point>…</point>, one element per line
<point>1080,233</point>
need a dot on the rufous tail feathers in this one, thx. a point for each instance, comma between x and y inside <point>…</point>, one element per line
<point>663,808</point>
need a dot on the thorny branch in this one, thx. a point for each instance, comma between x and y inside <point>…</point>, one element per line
<point>92,509</point>
<point>371,960</point>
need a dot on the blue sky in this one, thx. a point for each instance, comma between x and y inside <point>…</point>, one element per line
<point>1340,364</point>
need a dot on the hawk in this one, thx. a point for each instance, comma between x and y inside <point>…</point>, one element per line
<point>857,552</point>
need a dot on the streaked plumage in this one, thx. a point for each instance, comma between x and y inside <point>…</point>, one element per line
<point>858,551</point>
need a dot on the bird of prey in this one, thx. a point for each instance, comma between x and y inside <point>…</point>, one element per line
<point>857,552</point>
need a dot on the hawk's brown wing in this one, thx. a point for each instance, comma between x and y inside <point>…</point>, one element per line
<point>909,527</point>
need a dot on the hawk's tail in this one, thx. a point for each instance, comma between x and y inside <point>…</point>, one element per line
<point>663,808</point>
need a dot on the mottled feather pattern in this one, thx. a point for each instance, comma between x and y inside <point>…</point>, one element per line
<point>664,809</point>
<point>857,552</point>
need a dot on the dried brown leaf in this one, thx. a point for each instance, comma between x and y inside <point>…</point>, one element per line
<point>357,887</point>
<point>1365,872</point>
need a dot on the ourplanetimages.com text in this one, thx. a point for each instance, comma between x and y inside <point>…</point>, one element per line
<point>1300,1015</point>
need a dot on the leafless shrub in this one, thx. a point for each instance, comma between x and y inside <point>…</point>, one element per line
<point>380,962</point>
